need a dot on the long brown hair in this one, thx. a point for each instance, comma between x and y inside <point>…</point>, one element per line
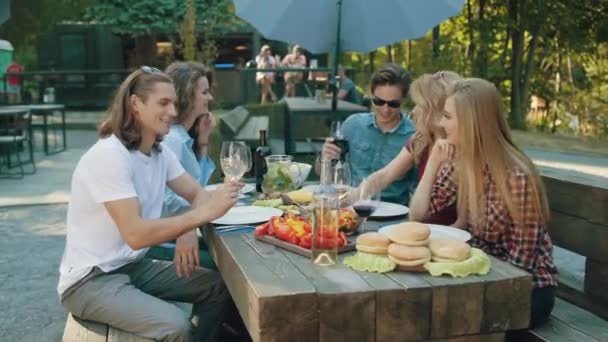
<point>185,75</point>
<point>428,93</point>
<point>486,149</point>
<point>120,119</point>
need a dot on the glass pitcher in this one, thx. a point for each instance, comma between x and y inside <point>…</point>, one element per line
<point>282,175</point>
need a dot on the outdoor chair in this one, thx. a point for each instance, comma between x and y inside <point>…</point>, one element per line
<point>15,138</point>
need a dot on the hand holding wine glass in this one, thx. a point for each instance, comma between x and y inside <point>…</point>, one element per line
<point>337,133</point>
<point>366,201</point>
<point>235,159</point>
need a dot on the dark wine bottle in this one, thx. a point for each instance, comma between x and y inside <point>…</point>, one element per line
<point>261,152</point>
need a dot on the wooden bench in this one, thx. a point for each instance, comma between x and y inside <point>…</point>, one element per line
<point>579,224</point>
<point>80,330</point>
<point>570,323</point>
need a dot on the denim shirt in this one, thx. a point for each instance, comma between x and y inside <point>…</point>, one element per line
<point>180,143</point>
<point>371,150</point>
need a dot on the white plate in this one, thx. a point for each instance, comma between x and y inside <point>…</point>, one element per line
<point>248,187</point>
<point>248,215</point>
<point>387,209</point>
<point>438,231</point>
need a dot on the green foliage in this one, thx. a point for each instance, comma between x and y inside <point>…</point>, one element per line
<point>141,17</point>
<point>571,42</point>
<point>187,31</point>
<point>28,21</point>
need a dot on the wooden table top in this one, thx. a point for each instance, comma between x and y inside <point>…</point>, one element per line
<point>282,296</point>
<point>305,104</point>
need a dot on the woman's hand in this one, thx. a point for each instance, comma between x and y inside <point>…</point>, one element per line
<point>206,123</point>
<point>442,151</point>
<point>186,254</point>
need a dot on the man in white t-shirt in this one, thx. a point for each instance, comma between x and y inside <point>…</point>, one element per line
<point>114,216</point>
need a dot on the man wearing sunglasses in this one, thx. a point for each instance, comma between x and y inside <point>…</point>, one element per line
<point>376,138</point>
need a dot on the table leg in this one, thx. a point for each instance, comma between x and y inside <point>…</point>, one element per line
<point>45,137</point>
<point>63,129</point>
<point>287,128</point>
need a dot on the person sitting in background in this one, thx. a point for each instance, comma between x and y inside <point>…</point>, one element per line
<point>428,93</point>
<point>295,59</point>
<point>114,216</point>
<point>188,138</point>
<point>376,138</point>
<point>265,79</point>
<point>347,90</point>
<point>496,187</point>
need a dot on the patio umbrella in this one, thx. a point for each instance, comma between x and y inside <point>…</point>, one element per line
<point>345,25</point>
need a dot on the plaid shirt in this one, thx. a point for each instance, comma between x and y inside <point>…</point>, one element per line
<point>527,246</point>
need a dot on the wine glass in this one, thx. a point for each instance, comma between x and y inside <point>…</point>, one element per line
<point>235,159</point>
<point>342,180</point>
<point>366,201</point>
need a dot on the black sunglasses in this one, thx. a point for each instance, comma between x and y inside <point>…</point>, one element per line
<point>380,102</point>
<point>149,70</point>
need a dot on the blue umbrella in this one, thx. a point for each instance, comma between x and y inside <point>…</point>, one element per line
<point>345,25</point>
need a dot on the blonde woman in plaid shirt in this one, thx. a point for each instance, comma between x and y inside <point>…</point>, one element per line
<point>497,188</point>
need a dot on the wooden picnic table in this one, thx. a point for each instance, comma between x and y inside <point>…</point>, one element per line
<point>304,106</point>
<point>282,296</point>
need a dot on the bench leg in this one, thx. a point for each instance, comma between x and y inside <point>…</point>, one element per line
<point>596,280</point>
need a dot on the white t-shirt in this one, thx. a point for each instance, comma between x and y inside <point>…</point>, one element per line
<point>109,172</point>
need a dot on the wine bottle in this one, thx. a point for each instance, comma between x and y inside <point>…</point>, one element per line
<point>261,152</point>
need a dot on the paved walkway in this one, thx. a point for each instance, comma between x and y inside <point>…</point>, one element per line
<point>34,237</point>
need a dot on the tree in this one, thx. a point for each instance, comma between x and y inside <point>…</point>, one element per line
<point>27,22</point>
<point>143,19</point>
<point>187,31</point>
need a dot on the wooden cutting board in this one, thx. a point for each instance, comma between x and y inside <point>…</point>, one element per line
<point>300,250</point>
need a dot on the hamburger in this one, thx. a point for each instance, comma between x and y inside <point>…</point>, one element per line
<point>374,243</point>
<point>449,250</point>
<point>409,258</point>
<point>410,234</point>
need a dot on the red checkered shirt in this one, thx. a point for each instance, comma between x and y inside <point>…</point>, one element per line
<point>527,246</point>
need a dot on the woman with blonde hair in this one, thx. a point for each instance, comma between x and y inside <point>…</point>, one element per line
<point>428,93</point>
<point>495,185</point>
<point>265,60</point>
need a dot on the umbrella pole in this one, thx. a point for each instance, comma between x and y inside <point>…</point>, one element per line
<point>334,83</point>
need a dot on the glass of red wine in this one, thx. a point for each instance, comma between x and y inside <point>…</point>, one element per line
<point>339,139</point>
<point>366,201</point>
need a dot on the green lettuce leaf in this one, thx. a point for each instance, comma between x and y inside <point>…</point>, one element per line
<point>268,203</point>
<point>477,263</point>
<point>369,263</point>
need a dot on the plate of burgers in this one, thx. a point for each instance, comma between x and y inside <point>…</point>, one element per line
<point>436,231</point>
